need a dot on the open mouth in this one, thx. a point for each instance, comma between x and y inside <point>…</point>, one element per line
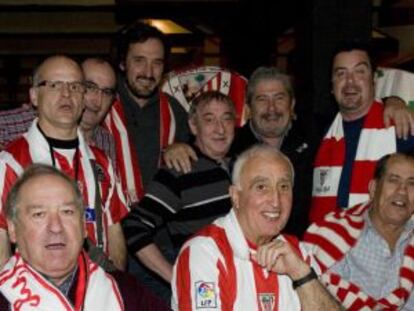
<point>55,246</point>
<point>399,203</point>
<point>66,107</point>
<point>271,215</point>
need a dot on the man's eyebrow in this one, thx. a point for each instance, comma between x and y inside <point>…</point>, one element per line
<point>257,179</point>
<point>34,206</point>
<point>362,63</point>
<point>40,206</point>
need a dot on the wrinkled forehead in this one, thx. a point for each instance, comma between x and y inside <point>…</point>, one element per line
<point>215,105</point>
<point>270,85</point>
<point>268,166</point>
<point>400,165</point>
<point>60,68</point>
<point>40,187</point>
<point>352,58</point>
<point>100,73</point>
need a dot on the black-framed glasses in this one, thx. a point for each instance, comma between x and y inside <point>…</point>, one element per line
<point>57,86</point>
<point>93,88</point>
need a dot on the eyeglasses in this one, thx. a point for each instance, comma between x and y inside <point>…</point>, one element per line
<point>93,88</point>
<point>57,86</point>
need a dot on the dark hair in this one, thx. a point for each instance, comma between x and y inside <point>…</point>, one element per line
<point>138,32</point>
<point>33,171</point>
<point>382,163</point>
<point>355,44</point>
<point>207,97</point>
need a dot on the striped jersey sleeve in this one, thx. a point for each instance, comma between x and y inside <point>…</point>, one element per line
<point>197,275</point>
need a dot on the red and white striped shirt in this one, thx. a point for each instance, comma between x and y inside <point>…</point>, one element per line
<point>32,147</point>
<point>214,272</point>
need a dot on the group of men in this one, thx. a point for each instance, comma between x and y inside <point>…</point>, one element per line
<point>242,260</point>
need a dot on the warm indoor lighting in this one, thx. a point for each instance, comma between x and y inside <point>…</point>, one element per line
<point>168,26</point>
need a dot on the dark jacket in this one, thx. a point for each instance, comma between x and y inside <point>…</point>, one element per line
<point>300,147</point>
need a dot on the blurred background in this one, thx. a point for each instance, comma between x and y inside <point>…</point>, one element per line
<point>297,36</point>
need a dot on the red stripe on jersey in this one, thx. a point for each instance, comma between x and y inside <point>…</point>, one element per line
<point>227,273</point>
<point>183,281</point>
<point>165,121</point>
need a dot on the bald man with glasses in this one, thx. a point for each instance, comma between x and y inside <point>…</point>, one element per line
<point>54,138</point>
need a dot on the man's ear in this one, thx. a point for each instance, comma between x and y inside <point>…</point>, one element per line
<point>234,195</point>
<point>122,66</point>
<point>372,186</point>
<point>33,96</point>
<point>292,108</point>
<point>11,228</point>
<point>192,125</point>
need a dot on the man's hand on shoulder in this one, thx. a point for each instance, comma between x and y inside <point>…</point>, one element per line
<point>397,111</point>
<point>178,156</point>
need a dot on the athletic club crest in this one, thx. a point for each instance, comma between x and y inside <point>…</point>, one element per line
<point>185,85</point>
<point>322,176</point>
<point>267,301</point>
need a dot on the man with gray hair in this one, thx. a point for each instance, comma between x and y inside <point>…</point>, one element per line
<point>242,261</point>
<point>271,100</point>
<point>49,271</point>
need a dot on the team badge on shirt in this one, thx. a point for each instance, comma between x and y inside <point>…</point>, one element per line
<point>267,301</point>
<point>89,215</point>
<point>205,295</point>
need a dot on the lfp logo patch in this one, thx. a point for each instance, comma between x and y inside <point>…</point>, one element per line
<point>205,295</point>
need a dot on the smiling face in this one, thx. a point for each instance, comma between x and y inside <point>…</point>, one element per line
<point>98,98</point>
<point>59,110</point>
<point>393,194</point>
<point>353,83</point>
<point>48,226</point>
<point>272,108</point>
<point>213,126</point>
<point>144,66</point>
<point>263,199</point>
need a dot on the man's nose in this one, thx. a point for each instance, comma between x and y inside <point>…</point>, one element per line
<point>148,70</point>
<point>220,126</point>
<point>55,222</point>
<point>275,197</point>
<point>402,187</point>
<point>350,77</point>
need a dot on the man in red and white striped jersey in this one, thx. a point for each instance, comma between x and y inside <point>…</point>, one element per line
<point>241,261</point>
<point>54,138</point>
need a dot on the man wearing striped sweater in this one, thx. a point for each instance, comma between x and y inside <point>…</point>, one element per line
<point>366,253</point>
<point>185,202</point>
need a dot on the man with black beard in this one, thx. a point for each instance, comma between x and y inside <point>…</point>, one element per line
<point>153,120</point>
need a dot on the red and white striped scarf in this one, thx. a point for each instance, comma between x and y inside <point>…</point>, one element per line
<point>26,289</point>
<point>127,160</point>
<point>375,141</point>
<point>32,147</point>
<point>330,240</point>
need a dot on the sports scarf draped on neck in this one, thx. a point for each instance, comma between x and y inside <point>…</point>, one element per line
<point>130,173</point>
<point>330,240</point>
<point>375,141</point>
<point>26,289</point>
